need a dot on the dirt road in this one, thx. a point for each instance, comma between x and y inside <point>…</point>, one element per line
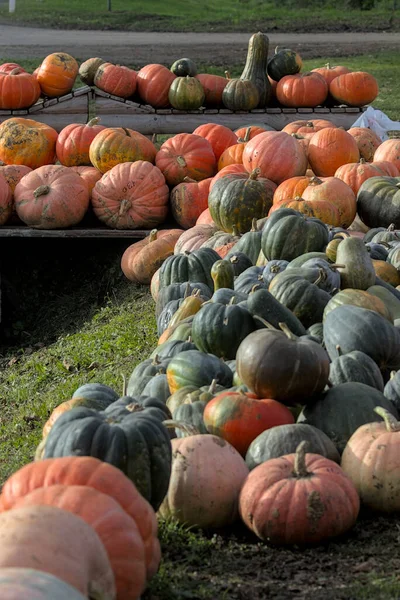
<point>219,48</point>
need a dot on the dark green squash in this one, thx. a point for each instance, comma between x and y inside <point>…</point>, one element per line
<point>225,295</point>
<point>171,348</point>
<point>284,439</point>
<point>198,369</point>
<point>358,271</point>
<point>166,315</point>
<point>147,405</point>
<point>222,274</point>
<point>219,328</point>
<point>183,67</point>
<point>240,94</point>
<point>236,199</point>
<point>249,244</point>
<point>262,304</point>
<point>240,262</point>
<point>353,328</point>
<point>387,286</point>
<point>392,389</point>
<point>96,395</point>
<point>174,291</point>
<point>340,411</point>
<point>357,367</point>
<point>146,369</point>
<point>376,251</point>
<point>368,237</point>
<point>378,202</point>
<point>393,256</point>
<point>329,279</point>
<point>392,303</point>
<point>250,279</point>
<point>316,330</point>
<point>303,258</point>
<point>186,93</point>
<point>137,443</point>
<point>288,234</point>
<point>255,69</point>
<point>190,266</point>
<point>158,388</point>
<point>191,412</point>
<point>272,269</point>
<point>284,62</point>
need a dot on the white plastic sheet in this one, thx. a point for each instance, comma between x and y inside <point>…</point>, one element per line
<point>377,121</point>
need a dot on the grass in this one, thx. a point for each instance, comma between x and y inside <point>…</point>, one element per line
<point>190,15</point>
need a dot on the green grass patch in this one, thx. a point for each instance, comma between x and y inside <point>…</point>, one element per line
<point>189,15</point>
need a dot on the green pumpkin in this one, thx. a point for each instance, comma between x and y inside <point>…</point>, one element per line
<point>158,387</point>
<point>377,251</point>
<point>392,303</point>
<point>392,389</point>
<point>358,367</point>
<point>368,237</point>
<point>284,439</point>
<point>340,411</point>
<point>360,298</point>
<point>378,202</point>
<point>166,315</point>
<point>353,328</point>
<point>236,199</point>
<point>171,348</point>
<point>143,372</point>
<point>304,298</point>
<point>198,369</point>
<point>249,244</point>
<point>219,329</point>
<point>183,67</point>
<point>96,395</point>
<point>240,94</point>
<point>250,280</point>
<point>190,412</point>
<point>186,93</point>
<point>284,62</point>
<point>223,275</point>
<point>358,271</point>
<point>255,69</point>
<point>228,296</point>
<point>262,305</point>
<point>393,256</point>
<point>175,291</point>
<point>289,234</point>
<point>183,331</point>
<point>240,262</point>
<point>316,330</point>
<point>133,440</point>
<point>303,258</point>
<point>190,266</point>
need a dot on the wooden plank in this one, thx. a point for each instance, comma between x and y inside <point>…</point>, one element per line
<point>95,232</point>
<point>105,106</point>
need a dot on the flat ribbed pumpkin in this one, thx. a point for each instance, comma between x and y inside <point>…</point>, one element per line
<point>74,141</point>
<point>51,197</point>
<point>131,195</point>
<point>186,155</point>
<point>27,142</point>
<point>113,146</point>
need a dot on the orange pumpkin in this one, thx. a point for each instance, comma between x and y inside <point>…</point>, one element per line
<point>387,167</point>
<point>331,148</point>
<point>234,154</point>
<point>302,140</point>
<point>116,529</point>
<point>90,176</point>
<point>213,86</point>
<point>387,272</point>
<point>205,218</point>
<point>186,155</point>
<point>291,188</point>
<point>188,200</point>
<point>302,90</point>
<point>51,197</point>
<point>249,132</point>
<point>69,549</point>
<point>354,89</point>
<point>27,142</point>
<point>236,169</point>
<point>371,460</point>
<point>113,146</point>
<point>13,174</point>
<point>276,154</point>
<point>6,200</point>
<point>8,67</point>
<point>18,89</point>
<point>307,128</point>
<point>354,174</point>
<point>367,141</point>
<point>141,260</point>
<point>153,83</point>
<point>240,417</point>
<point>132,195</point>
<point>115,79</point>
<point>298,498</point>
<point>330,73</point>
<point>57,73</point>
<point>74,141</point>
<point>96,474</point>
<point>389,151</point>
<point>219,136</point>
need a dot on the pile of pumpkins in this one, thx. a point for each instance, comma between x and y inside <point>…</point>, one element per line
<point>131,182</point>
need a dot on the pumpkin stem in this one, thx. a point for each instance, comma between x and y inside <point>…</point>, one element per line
<point>309,124</point>
<point>152,235</point>
<point>255,288</point>
<point>124,385</point>
<point>328,66</point>
<point>336,266</point>
<point>392,374</point>
<point>42,190</point>
<point>247,135</point>
<point>213,387</point>
<point>156,360</point>
<point>300,469</point>
<point>254,174</point>
<point>124,207</point>
<point>181,161</point>
<point>266,324</point>
<point>362,161</point>
<point>339,350</point>
<point>93,122</point>
<point>185,427</point>
<point>315,181</point>
<point>287,331</point>
<point>189,180</point>
<point>126,131</point>
<point>235,230</point>
<point>392,424</point>
<point>276,49</point>
<point>253,224</point>
<point>391,227</point>
<point>234,259</point>
<point>227,75</point>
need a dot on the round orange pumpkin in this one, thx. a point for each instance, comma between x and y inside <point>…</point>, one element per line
<point>234,154</point>
<point>6,200</point>
<point>291,188</point>
<point>153,83</point>
<point>331,148</point>
<point>51,197</point>
<point>186,155</point>
<point>354,89</point>
<point>18,89</point>
<point>367,141</point>
<point>74,141</point>
<point>131,195</point>
<point>90,176</point>
<point>235,169</point>
<point>307,128</point>
<point>219,136</point>
<point>213,86</point>
<point>205,218</point>
<point>249,132</point>
<point>386,272</point>
<point>27,142</point>
<point>188,200</point>
<point>354,174</point>
<point>57,73</point>
<point>277,154</point>
<point>298,498</point>
<point>116,79</point>
<point>387,167</point>
<point>389,151</point>
<point>8,67</point>
<point>329,73</point>
<point>302,90</point>
<point>113,146</point>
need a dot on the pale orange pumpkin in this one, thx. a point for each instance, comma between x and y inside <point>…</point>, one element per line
<point>90,176</point>
<point>51,197</point>
<point>155,285</point>
<point>387,167</point>
<point>234,154</point>
<point>354,174</point>
<point>113,146</point>
<point>27,142</point>
<point>57,73</point>
<point>250,131</point>
<point>389,151</point>
<point>236,169</point>
<point>291,188</point>
<point>74,141</point>
<point>367,141</point>
<point>205,218</point>
<point>188,200</point>
<point>194,238</point>
<point>331,148</point>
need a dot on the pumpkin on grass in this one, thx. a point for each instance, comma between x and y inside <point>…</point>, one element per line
<point>298,499</point>
<point>186,155</point>
<point>57,73</point>
<point>113,146</point>
<point>116,79</point>
<point>51,197</point>
<point>204,492</point>
<point>74,141</point>
<point>27,142</point>
<point>18,89</point>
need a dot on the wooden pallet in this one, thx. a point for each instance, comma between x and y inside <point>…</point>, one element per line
<point>57,112</point>
<point>21,231</point>
<point>117,112</point>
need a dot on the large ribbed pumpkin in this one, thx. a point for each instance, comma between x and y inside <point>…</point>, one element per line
<point>74,141</point>
<point>117,145</point>
<point>219,136</point>
<point>116,79</point>
<point>18,89</point>
<point>27,142</point>
<point>389,151</point>
<point>6,203</point>
<point>331,148</point>
<point>57,73</point>
<point>354,174</point>
<point>186,155</point>
<point>277,154</point>
<point>131,195</point>
<point>90,175</point>
<point>51,197</point>
<point>153,83</point>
